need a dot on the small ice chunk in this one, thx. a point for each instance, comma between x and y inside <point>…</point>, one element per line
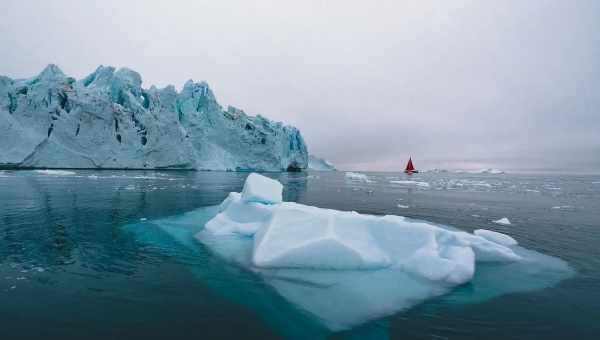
<point>417,183</point>
<point>56,172</point>
<point>356,176</point>
<point>402,206</point>
<point>495,236</point>
<point>503,221</point>
<point>558,207</point>
<point>143,219</point>
<point>262,189</point>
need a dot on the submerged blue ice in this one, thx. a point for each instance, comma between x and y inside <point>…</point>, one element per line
<point>301,290</point>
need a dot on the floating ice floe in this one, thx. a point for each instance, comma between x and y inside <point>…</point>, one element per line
<point>402,206</point>
<point>292,242</point>
<point>563,207</point>
<point>407,182</point>
<point>503,220</point>
<point>357,176</point>
<point>482,171</point>
<point>320,259</point>
<point>56,172</point>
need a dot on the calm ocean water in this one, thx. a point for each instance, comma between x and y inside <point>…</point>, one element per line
<point>71,269</point>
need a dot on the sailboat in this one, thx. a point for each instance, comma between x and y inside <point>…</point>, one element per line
<point>410,168</point>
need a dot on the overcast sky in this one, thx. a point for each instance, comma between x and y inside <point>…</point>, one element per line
<point>455,84</point>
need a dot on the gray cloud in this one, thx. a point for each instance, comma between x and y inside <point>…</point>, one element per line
<point>509,84</point>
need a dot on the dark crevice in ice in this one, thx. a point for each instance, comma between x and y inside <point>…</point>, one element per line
<point>12,103</point>
<point>63,101</point>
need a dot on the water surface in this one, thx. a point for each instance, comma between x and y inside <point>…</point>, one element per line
<point>70,270</point>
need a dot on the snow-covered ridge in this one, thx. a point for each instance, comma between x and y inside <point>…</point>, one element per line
<point>107,120</point>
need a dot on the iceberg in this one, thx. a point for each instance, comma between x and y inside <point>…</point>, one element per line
<point>319,259</point>
<point>108,120</point>
<point>319,164</point>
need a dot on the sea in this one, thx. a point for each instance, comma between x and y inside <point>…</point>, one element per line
<point>71,267</point>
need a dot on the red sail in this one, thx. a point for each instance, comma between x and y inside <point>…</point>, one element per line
<point>409,166</point>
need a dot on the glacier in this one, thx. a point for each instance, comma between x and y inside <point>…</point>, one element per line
<point>320,259</point>
<point>107,120</point>
<point>319,164</point>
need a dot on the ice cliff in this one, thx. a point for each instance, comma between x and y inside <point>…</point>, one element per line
<point>107,120</point>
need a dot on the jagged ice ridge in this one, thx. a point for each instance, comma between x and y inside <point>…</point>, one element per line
<point>107,120</point>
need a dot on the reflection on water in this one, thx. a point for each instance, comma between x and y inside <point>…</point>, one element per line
<point>68,266</point>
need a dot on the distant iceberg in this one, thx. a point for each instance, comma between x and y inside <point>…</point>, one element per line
<point>490,171</point>
<point>319,164</point>
<point>357,176</point>
<point>107,120</point>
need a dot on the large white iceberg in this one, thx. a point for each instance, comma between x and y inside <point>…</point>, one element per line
<point>292,235</point>
<point>379,264</point>
<point>108,120</point>
<point>342,269</point>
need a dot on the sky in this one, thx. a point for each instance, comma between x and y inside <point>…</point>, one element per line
<point>454,84</point>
